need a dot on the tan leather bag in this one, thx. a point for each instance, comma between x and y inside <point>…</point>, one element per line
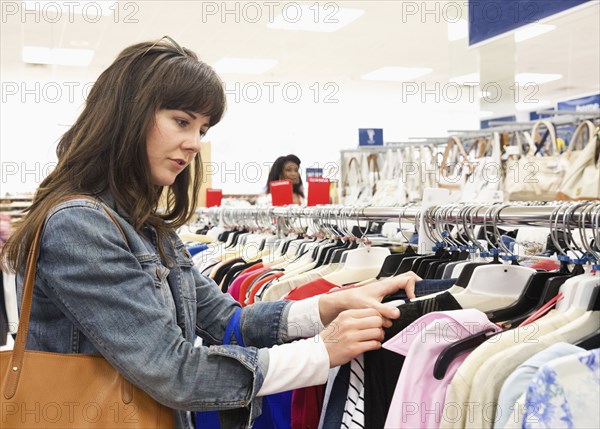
<point>455,165</point>
<point>535,177</point>
<point>582,177</point>
<point>55,390</point>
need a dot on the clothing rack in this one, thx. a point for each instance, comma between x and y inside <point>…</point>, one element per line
<point>571,215</point>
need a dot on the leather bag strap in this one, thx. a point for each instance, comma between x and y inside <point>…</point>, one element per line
<point>16,365</point>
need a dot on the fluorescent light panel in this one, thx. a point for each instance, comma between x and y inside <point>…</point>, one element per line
<point>458,30</point>
<point>485,114</point>
<point>57,56</point>
<point>397,74</point>
<point>471,79</point>
<point>537,78</point>
<point>89,8</point>
<point>309,18</point>
<point>531,31</point>
<point>244,65</point>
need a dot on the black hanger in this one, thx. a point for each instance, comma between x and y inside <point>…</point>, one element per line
<point>322,257</point>
<point>337,253</point>
<point>447,356</point>
<point>551,289</point>
<point>392,263</point>
<point>526,302</point>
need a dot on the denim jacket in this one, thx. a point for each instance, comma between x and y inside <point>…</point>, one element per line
<point>96,293</point>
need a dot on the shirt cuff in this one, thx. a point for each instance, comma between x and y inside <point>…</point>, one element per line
<point>304,319</point>
<point>295,365</point>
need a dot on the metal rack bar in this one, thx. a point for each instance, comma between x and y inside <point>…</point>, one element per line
<point>512,215</point>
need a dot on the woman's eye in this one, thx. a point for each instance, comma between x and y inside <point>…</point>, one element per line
<point>182,122</point>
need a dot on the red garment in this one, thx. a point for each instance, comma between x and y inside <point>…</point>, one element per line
<point>306,407</point>
<point>256,287</point>
<point>547,265</point>
<point>316,287</point>
<point>247,282</point>
<point>307,402</point>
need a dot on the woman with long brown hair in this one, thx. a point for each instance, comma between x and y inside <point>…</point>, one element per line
<point>129,291</point>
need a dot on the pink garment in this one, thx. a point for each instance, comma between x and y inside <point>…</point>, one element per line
<point>419,398</point>
<point>234,288</point>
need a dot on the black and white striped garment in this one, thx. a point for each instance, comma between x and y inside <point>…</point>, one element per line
<point>354,410</point>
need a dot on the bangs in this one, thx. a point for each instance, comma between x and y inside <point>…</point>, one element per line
<point>194,86</point>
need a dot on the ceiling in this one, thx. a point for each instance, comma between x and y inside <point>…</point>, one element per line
<point>381,37</point>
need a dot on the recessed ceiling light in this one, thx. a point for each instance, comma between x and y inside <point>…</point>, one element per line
<point>397,74</point>
<point>86,8</point>
<point>530,106</point>
<point>485,114</point>
<point>458,30</point>
<point>536,78</point>
<point>244,65</point>
<point>311,18</point>
<point>531,31</point>
<point>471,79</point>
<point>57,56</point>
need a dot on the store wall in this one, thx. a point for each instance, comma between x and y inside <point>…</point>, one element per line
<point>314,120</point>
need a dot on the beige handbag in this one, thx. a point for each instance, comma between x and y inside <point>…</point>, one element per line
<point>455,166</point>
<point>582,178</point>
<point>56,390</point>
<point>534,177</point>
<point>486,173</point>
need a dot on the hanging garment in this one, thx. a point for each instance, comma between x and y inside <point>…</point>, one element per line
<point>565,393</point>
<point>380,385</point>
<point>419,397</point>
<point>516,384</point>
<point>354,410</point>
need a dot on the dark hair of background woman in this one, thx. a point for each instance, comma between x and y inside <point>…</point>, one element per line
<point>277,171</point>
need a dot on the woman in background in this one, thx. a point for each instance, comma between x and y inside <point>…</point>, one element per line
<point>288,168</point>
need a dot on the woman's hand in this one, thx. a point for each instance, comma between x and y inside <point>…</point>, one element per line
<point>352,333</point>
<point>368,296</point>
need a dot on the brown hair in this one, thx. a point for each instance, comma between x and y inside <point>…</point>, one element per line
<point>105,150</point>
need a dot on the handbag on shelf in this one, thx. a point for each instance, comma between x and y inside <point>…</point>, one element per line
<point>486,172</point>
<point>390,189</point>
<point>582,176</point>
<point>58,390</point>
<point>356,192</point>
<point>454,167</point>
<point>537,174</point>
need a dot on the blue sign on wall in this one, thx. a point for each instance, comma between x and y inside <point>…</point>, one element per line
<point>370,136</point>
<point>486,124</point>
<point>490,18</point>
<point>583,104</point>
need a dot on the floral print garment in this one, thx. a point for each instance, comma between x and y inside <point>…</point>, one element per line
<point>565,393</point>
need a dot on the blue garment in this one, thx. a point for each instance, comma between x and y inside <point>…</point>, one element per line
<point>565,393</point>
<point>337,400</point>
<point>423,288</point>
<point>194,250</point>
<point>95,292</point>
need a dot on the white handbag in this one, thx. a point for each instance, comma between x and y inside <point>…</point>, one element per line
<point>486,174</point>
<point>582,178</point>
<point>535,177</point>
<point>390,189</point>
<point>357,190</point>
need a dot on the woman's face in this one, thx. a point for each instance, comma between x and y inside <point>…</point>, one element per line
<point>291,171</point>
<point>172,143</point>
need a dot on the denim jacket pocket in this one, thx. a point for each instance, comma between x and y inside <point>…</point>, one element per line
<point>159,273</point>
